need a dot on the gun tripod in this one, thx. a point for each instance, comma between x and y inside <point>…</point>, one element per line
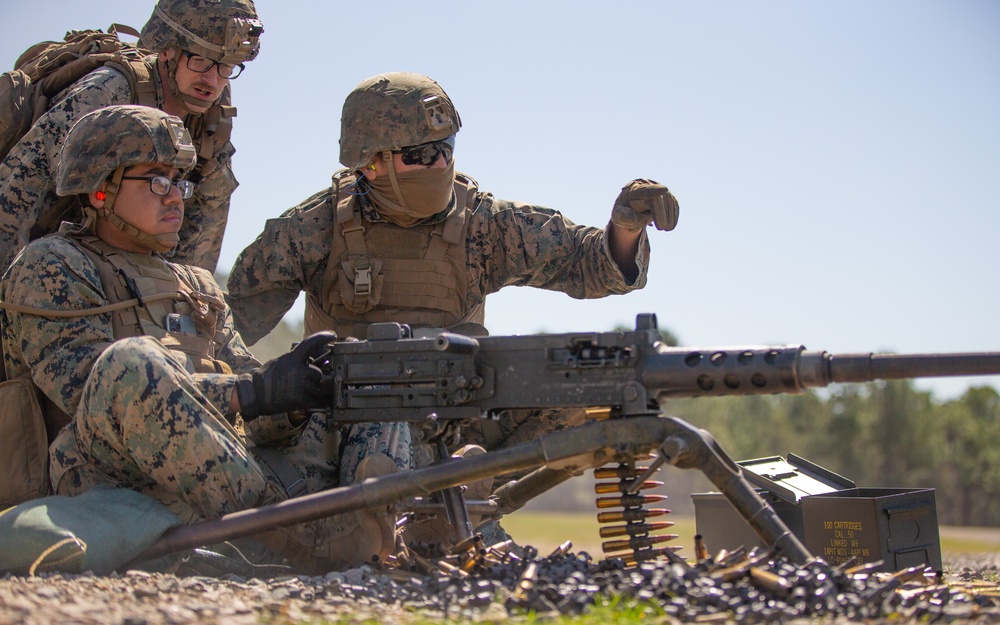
<point>555,458</point>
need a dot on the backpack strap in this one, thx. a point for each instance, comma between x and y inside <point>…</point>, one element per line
<point>210,131</point>
<point>140,79</point>
<point>116,28</point>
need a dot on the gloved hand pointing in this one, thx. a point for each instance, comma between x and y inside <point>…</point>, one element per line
<point>643,202</point>
<point>285,383</point>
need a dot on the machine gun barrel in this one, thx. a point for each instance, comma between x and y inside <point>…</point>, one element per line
<point>865,367</point>
<point>791,369</point>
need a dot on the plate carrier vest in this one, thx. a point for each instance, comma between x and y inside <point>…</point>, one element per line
<point>380,272</point>
<point>124,279</point>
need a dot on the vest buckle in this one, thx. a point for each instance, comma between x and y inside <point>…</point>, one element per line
<point>363,279</point>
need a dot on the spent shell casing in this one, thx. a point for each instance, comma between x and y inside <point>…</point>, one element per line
<point>911,574</point>
<point>648,555</point>
<point>923,591</point>
<point>700,549</point>
<point>423,563</point>
<point>739,553</point>
<point>738,569</point>
<point>469,543</point>
<point>472,562</point>
<point>501,548</point>
<point>769,580</point>
<point>721,556</point>
<point>527,581</point>
<point>450,568</point>
<point>562,549</point>
<point>867,567</point>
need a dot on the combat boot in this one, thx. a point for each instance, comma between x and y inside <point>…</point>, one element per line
<point>426,535</point>
<point>371,533</point>
<point>341,541</point>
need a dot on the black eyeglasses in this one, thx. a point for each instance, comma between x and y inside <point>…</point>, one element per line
<point>160,185</point>
<point>427,153</point>
<point>202,64</point>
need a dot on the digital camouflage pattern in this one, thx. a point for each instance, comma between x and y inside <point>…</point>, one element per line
<point>509,244</point>
<point>30,206</point>
<point>121,136</point>
<point>323,439</point>
<point>142,424</point>
<point>226,31</point>
<point>391,111</point>
<point>140,419</point>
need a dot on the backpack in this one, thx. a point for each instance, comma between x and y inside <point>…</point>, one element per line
<point>46,68</point>
<point>25,464</point>
<point>41,73</point>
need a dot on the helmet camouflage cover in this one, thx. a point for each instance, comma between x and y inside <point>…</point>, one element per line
<point>226,31</point>
<point>120,136</point>
<point>392,111</point>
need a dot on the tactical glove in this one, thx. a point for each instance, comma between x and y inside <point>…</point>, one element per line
<point>285,383</point>
<point>643,202</point>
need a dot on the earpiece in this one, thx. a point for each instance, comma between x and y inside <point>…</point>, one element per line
<point>101,195</point>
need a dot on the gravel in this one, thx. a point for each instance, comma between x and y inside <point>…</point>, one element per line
<point>503,588</point>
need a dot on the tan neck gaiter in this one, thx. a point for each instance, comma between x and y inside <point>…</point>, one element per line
<point>407,198</point>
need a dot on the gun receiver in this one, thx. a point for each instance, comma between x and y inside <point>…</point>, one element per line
<point>392,377</point>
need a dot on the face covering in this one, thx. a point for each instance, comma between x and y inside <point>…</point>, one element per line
<point>407,198</point>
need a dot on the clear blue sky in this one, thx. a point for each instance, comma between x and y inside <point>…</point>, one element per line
<point>837,162</point>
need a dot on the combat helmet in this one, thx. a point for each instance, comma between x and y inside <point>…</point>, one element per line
<point>226,31</point>
<point>391,111</point>
<point>103,143</point>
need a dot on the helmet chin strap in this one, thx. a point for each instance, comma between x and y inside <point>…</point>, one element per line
<point>173,62</point>
<point>387,158</point>
<point>153,242</point>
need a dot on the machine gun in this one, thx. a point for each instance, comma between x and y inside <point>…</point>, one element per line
<point>444,380</point>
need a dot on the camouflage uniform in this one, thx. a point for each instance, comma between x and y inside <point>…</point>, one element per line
<point>140,418</point>
<point>29,204</point>
<point>508,244</point>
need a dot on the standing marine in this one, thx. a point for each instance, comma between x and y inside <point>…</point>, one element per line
<point>144,381</point>
<point>198,47</point>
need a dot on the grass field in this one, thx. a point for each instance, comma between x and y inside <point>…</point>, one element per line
<point>548,530</point>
